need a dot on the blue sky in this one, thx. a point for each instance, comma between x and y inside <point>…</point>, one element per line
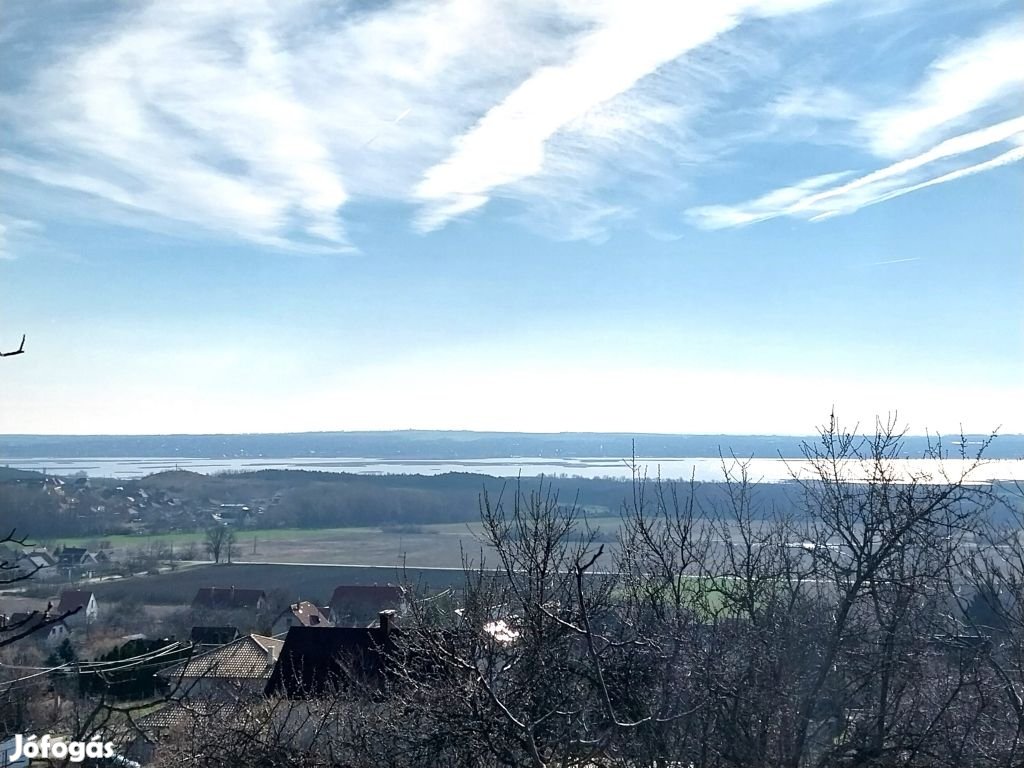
<point>539,216</point>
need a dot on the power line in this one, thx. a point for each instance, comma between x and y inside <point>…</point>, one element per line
<point>93,667</point>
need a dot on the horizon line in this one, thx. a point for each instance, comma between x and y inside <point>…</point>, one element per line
<point>934,435</point>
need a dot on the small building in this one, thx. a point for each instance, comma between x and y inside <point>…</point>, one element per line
<point>301,614</point>
<point>81,604</point>
<point>39,564</point>
<point>75,557</point>
<point>359,604</point>
<point>230,599</point>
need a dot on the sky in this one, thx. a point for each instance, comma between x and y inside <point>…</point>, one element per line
<point>567,215</point>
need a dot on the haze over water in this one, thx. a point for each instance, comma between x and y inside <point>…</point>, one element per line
<point>702,469</point>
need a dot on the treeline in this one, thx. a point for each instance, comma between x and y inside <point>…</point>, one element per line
<point>328,505</point>
<point>303,499</point>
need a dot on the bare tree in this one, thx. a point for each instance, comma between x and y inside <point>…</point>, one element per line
<point>990,595</point>
<point>883,542</point>
<point>219,541</point>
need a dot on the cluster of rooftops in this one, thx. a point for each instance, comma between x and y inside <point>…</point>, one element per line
<point>306,645</point>
<point>305,660</point>
<point>349,604</point>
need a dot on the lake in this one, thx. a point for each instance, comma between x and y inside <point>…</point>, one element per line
<point>704,469</point>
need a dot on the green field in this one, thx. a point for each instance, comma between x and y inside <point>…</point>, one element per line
<point>605,523</point>
<point>435,546</point>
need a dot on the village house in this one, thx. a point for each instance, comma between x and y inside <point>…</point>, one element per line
<point>241,666</point>
<point>81,604</point>
<point>40,624</point>
<point>301,614</point>
<point>39,564</point>
<point>75,557</point>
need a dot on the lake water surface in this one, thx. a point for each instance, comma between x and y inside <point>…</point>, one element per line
<point>705,469</point>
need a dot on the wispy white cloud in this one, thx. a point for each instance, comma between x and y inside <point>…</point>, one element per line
<point>187,112</point>
<point>975,74</point>
<point>4,253</point>
<point>963,86</point>
<point>508,143</point>
<point>828,102</point>
<point>263,121</point>
<point>1006,158</point>
<point>12,230</point>
<point>775,203</point>
<point>628,43</point>
<point>817,198</point>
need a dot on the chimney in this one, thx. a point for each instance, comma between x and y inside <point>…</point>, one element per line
<point>384,620</point>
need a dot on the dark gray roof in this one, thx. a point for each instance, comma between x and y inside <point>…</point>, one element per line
<point>317,660</point>
<point>73,600</point>
<point>251,658</point>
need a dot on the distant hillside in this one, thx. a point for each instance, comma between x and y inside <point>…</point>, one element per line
<point>10,473</point>
<point>438,445</point>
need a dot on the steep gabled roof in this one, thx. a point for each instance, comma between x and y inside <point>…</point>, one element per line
<point>251,658</point>
<point>40,559</point>
<point>73,555</point>
<point>73,600</point>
